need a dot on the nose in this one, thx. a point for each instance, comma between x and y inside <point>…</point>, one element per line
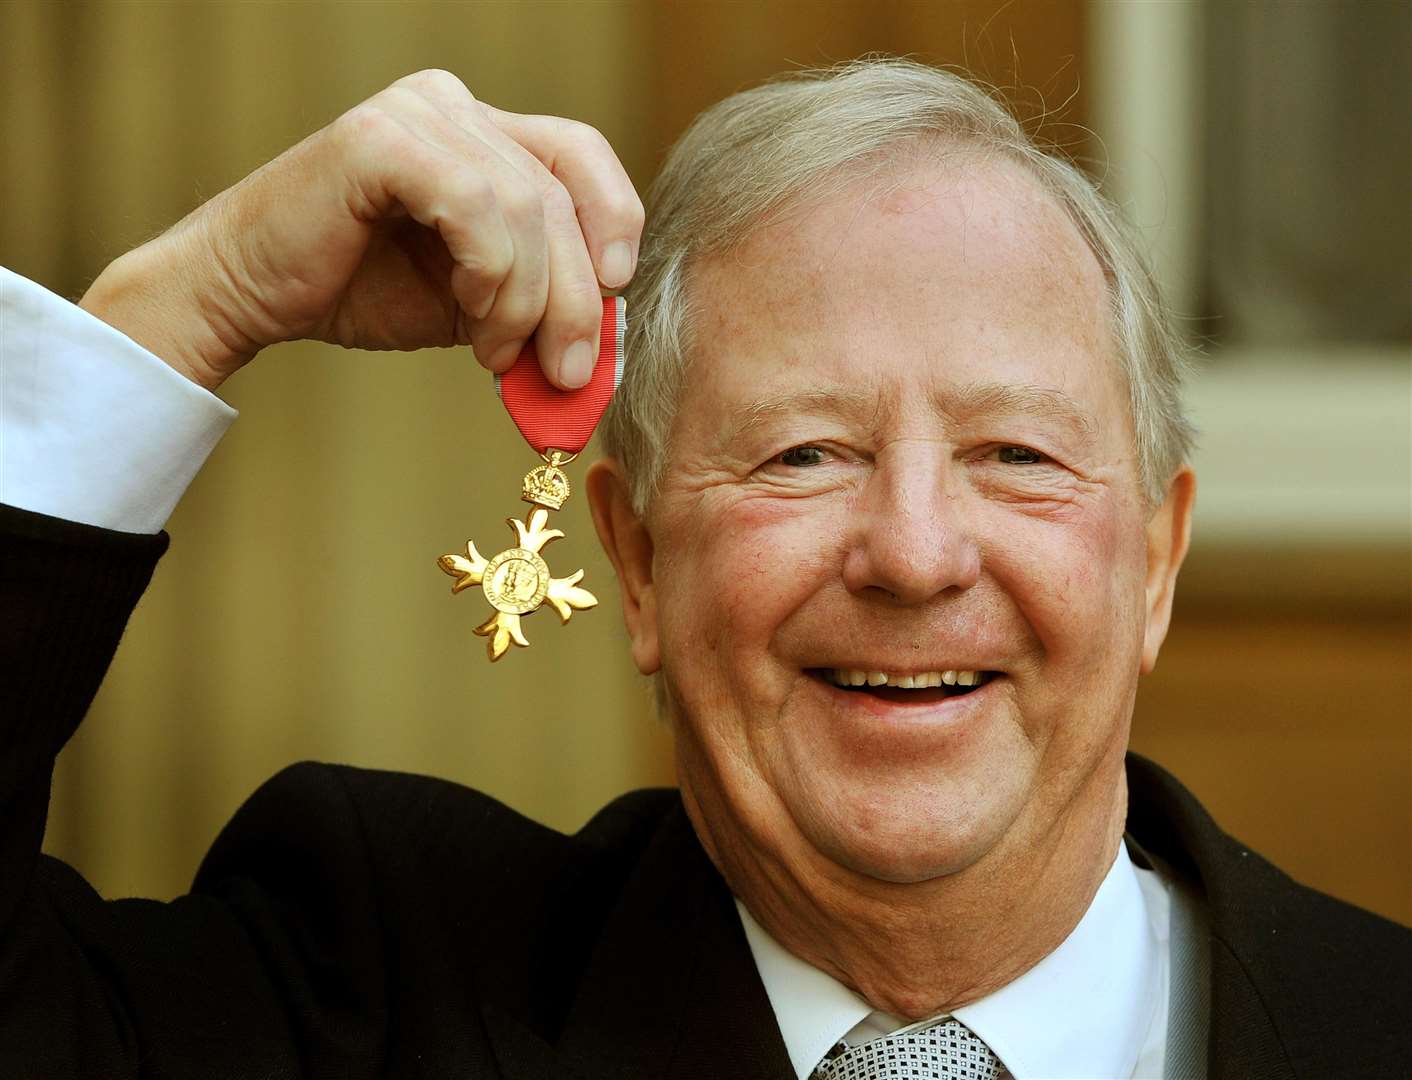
<point>910,539</point>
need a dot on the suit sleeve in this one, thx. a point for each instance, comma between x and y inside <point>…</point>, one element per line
<point>272,967</point>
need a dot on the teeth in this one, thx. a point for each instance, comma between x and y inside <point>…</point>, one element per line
<point>919,681</point>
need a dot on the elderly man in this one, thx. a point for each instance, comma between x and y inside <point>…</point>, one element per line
<point>896,495</point>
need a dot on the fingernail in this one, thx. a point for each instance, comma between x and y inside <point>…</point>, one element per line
<point>577,366</point>
<point>616,266</point>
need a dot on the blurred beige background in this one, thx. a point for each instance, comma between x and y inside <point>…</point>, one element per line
<point>300,613</point>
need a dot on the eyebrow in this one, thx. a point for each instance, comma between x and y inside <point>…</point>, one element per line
<point>959,403</point>
<point>981,399</point>
<point>834,402</point>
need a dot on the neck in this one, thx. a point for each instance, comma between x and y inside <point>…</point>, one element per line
<point>918,949</point>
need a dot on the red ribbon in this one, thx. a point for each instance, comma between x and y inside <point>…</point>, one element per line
<point>550,418</point>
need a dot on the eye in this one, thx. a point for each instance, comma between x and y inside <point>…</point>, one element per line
<point>1019,455</point>
<point>803,456</point>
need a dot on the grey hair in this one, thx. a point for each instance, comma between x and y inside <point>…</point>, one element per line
<point>806,134</point>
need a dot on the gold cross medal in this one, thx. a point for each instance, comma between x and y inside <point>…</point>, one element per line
<point>558,424</point>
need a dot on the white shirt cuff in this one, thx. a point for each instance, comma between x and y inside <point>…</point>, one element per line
<point>93,427</point>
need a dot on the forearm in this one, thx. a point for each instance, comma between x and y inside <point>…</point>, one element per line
<point>66,591</point>
<point>98,440</point>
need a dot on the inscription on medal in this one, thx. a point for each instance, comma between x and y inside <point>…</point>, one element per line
<point>516,581</point>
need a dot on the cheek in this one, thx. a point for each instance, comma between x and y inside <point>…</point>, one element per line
<point>1079,591</point>
<point>744,567</point>
<point>1078,584</point>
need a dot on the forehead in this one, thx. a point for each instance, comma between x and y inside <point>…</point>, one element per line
<point>959,271</point>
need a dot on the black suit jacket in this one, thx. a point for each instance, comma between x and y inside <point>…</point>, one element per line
<point>351,923</point>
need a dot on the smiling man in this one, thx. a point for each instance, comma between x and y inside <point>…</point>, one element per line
<point>901,576</point>
<point>900,558</point>
<point>897,496</point>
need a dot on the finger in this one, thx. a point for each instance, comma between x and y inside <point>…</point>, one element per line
<point>393,166</point>
<point>609,211</point>
<point>567,339</point>
<point>521,300</point>
<point>501,314</point>
<point>456,115</point>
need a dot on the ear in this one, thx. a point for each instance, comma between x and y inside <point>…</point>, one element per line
<point>625,538</point>
<point>1168,533</point>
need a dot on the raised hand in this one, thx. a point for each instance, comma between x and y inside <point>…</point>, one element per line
<point>421,217</point>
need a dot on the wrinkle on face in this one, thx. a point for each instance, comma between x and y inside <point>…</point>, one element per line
<point>907,334</point>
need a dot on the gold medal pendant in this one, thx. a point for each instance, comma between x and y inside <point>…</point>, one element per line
<point>517,581</point>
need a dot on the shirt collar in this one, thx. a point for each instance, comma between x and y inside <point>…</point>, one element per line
<point>1082,1011</point>
<point>813,1010</point>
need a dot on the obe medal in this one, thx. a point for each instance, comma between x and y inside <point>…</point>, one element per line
<point>517,582</point>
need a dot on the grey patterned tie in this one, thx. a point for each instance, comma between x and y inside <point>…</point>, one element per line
<point>945,1051</point>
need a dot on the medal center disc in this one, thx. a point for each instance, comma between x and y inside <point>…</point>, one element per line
<point>516,581</point>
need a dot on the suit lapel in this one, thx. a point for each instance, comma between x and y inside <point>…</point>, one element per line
<point>728,1025</point>
<point>670,991</point>
<point>1169,822</point>
<point>521,1054</point>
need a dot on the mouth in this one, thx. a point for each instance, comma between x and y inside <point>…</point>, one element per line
<point>904,688</point>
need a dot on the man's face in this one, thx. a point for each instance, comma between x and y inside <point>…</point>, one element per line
<point>904,449</point>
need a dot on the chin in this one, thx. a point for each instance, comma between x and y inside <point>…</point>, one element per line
<point>909,835</point>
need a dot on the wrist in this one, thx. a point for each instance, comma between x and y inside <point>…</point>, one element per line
<point>155,295</point>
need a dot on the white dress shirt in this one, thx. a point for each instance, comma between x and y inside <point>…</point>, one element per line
<point>93,427</point>
<point>1095,1008</point>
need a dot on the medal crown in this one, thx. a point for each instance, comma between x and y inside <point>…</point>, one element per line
<point>545,485</point>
